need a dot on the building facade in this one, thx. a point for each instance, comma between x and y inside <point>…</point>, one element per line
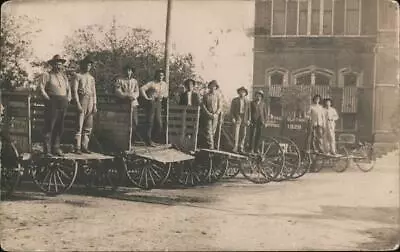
<point>345,49</point>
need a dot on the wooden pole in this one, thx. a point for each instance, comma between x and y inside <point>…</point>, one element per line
<point>166,59</point>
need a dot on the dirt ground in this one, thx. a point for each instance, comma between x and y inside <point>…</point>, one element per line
<point>320,211</point>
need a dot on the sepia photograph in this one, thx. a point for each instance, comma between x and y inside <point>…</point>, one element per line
<point>200,125</point>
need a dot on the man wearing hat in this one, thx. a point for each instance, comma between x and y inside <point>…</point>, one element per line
<point>189,97</point>
<point>240,111</point>
<point>55,89</point>
<point>259,114</point>
<point>211,107</point>
<point>154,92</point>
<point>84,94</point>
<point>127,89</point>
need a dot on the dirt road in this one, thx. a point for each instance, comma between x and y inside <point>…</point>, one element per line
<point>324,211</point>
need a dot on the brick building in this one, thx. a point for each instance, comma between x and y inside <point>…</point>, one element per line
<point>345,49</point>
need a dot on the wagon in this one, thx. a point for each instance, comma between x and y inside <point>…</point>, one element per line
<point>53,175</point>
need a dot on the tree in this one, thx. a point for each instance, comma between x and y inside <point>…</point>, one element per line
<point>113,47</point>
<point>295,100</point>
<point>15,45</point>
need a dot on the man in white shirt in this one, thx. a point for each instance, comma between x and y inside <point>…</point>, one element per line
<point>127,89</point>
<point>331,118</point>
<point>316,115</point>
<point>154,92</point>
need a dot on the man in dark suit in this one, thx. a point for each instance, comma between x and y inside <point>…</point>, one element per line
<point>259,116</point>
<point>189,97</point>
<point>240,111</point>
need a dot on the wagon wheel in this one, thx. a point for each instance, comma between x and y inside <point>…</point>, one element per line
<point>364,157</point>
<point>211,166</point>
<point>189,174</point>
<point>145,173</point>
<point>10,169</point>
<point>233,168</point>
<point>317,163</point>
<point>292,158</point>
<point>270,157</point>
<point>304,167</point>
<point>341,163</point>
<point>102,174</point>
<point>54,176</point>
<point>252,170</point>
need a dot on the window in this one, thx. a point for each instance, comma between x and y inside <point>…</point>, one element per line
<point>291,26</point>
<point>303,17</point>
<point>349,80</point>
<point>347,17</point>
<point>276,78</point>
<point>352,17</point>
<point>349,121</point>
<point>313,77</point>
<point>279,7</point>
<point>275,106</point>
<point>315,16</point>
<point>327,18</point>
<point>322,80</point>
<point>304,79</point>
<point>387,14</point>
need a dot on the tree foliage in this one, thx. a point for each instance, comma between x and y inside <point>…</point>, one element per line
<point>15,45</point>
<point>295,100</point>
<point>116,45</point>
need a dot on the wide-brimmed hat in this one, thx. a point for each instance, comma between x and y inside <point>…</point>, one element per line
<point>56,58</point>
<point>213,83</point>
<point>242,89</point>
<point>186,82</point>
<point>260,92</point>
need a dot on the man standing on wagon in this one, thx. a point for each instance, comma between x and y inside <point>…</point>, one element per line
<point>240,111</point>
<point>127,88</point>
<point>316,115</point>
<point>189,97</point>
<point>84,93</point>
<point>154,92</point>
<point>55,89</point>
<point>259,114</point>
<point>211,107</point>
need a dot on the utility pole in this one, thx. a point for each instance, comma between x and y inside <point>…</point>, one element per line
<point>166,58</point>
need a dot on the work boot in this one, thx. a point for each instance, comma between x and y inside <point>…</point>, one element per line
<point>86,151</point>
<point>58,152</point>
<point>78,151</point>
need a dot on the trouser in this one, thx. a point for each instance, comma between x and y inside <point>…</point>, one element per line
<point>211,125</point>
<point>84,123</point>
<point>54,114</point>
<point>240,133</point>
<point>154,122</point>
<point>134,123</point>
<point>255,134</point>
<point>315,138</point>
<point>330,137</point>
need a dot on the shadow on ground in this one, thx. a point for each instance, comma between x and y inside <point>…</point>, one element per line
<point>29,192</point>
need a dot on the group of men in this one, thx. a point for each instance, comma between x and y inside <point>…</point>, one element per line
<point>57,94</point>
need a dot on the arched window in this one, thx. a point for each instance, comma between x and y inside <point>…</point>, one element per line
<point>277,78</point>
<point>312,76</point>
<point>349,78</point>
<point>304,79</point>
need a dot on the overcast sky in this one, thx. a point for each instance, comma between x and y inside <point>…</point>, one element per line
<point>195,24</point>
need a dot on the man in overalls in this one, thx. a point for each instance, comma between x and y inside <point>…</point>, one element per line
<point>211,109</point>
<point>55,89</point>
<point>84,93</point>
<point>154,92</point>
<point>127,89</point>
